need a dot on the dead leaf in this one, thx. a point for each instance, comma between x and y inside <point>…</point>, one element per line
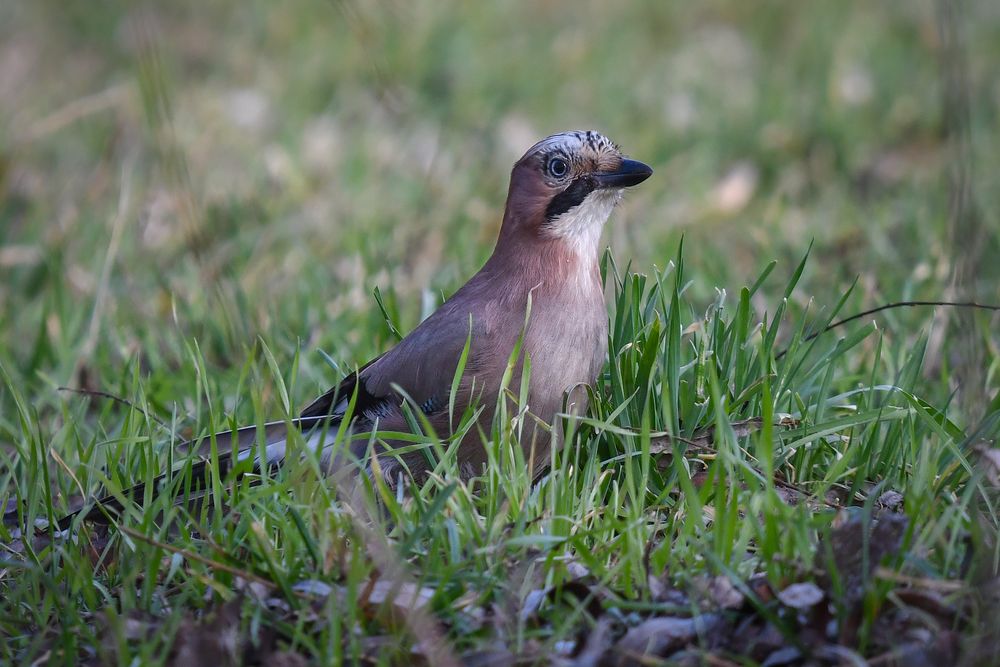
<point>858,545</point>
<point>313,587</point>
<point>786,655</point>
<point>755,638</point>
<point>596,646</point>
<point>761,587</point>
<point>532,603</point>
<point>720,591</point>
<point>660,637</point>
<point>661,591</point>
<point>215,643</point>
<point>285,659</point>
<point>891,501</point>
<point>788,494</point>
<point>801,596</point>
<point>577,570</point>
<point>397,599</point>
<point>989,461</point>
<point>491,657</point>
<point>906,645</point>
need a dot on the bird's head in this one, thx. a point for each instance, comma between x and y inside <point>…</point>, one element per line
<point>565,187</point>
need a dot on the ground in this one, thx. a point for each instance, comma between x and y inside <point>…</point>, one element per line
<point>199,200</point>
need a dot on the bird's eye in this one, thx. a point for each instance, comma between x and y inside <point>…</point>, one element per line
<point>558,167</point>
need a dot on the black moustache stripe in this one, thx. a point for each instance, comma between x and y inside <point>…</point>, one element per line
<point>571,197</point>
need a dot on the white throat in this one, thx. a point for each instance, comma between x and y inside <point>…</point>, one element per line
<point>581,226</point>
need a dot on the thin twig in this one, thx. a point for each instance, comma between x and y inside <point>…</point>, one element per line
<point>104,100</point>
<point>938,585</point>
<point>705,440</point>
<point>190,555</point>
<point>888,306</point>
<point>117,399</point>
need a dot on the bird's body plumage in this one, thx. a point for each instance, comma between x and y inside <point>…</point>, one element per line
<point>551,260</point>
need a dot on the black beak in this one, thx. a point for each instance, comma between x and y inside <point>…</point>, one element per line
<point>629,173</point>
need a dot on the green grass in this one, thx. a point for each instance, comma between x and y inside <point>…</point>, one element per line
<point>160,243</point>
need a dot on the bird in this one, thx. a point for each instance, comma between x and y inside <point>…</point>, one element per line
<point>539,293</point>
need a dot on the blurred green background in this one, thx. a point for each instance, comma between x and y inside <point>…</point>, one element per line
<point>221,171</point>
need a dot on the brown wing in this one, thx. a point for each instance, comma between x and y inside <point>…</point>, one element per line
<point>333,402</point>
<point>423,365</point>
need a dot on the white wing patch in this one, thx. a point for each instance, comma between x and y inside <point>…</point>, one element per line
<point>316,440</point>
